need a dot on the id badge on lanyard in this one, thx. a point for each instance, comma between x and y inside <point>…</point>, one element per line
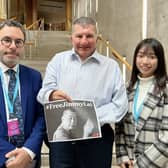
<point>13,124</point>
<point>13,127</point>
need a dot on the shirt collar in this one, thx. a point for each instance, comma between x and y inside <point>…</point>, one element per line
<point>94,56</point>
<point>4,68</point>
<point>150,78</point>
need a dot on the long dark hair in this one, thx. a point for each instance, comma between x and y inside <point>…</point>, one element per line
<point>160,72</point>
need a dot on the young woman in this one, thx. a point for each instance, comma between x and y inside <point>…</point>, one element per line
<point>142,136</point>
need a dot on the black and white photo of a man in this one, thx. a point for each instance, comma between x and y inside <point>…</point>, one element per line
<point>68,124</point>
<point>69,121</point>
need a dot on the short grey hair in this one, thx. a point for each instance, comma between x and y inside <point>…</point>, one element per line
<point>83,21</point>
<point>13,23</point>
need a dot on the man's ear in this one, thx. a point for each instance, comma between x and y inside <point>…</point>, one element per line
<point>71,38</point>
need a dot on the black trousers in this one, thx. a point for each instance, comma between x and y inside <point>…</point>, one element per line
<point>84,154</point>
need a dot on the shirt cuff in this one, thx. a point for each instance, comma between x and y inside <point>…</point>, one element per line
<point>31,154</point>
<point>48,95</point>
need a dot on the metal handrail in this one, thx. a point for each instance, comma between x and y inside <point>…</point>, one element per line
<point>35,23</point>
<point>114,52</point>
<point>12,18</point>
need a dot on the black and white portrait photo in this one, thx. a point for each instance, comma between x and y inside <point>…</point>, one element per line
<point>67,121</point>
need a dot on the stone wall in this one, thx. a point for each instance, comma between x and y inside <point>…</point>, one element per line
<point>120,22</point>
<point>158,23</point>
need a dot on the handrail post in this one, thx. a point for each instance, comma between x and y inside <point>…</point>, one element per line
<point>124,69</point>
<point>107,48</point>
<point>30,52</point>
<point>41,26</point>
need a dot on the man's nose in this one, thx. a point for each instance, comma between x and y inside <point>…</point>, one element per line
<point>13,44</point>
<point>84,39</point>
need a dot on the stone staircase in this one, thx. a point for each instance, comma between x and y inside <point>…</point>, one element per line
<point>44,44</point>
<point>41,46</point>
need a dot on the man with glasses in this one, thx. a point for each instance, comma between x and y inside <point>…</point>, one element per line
<point>22,124</point>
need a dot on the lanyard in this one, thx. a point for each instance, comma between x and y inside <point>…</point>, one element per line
<point>137,110</point>
<point>10,104</point>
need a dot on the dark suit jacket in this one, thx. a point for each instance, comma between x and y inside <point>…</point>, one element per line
<point>34,123</point>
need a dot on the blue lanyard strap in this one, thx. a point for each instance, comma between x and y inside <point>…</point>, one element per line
<point>137,110</point>
<point>10,104</point>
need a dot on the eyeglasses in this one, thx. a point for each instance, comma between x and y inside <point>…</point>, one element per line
<point>7,41</point>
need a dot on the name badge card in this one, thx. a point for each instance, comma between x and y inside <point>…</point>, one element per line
<point>13,127</point>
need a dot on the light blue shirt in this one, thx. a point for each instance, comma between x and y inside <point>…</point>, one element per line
<point>98,78</point>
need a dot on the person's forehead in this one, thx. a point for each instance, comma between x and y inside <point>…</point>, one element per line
<point>146,48</point>
<point>85,27</point>
<point>10,31</point>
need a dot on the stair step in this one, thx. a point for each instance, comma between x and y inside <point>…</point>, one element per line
<point>44,44</point>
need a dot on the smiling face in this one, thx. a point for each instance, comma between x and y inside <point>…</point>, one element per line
<point>84,40</point>
<point>146,61</point>
<point>10,55</point>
